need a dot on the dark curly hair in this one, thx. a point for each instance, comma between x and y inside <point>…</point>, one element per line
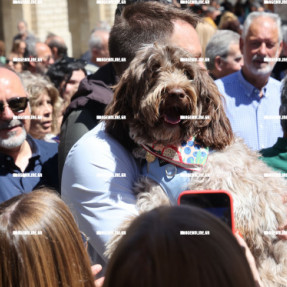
<point>62,70</point>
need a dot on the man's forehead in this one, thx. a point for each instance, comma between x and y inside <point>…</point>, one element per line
<point>185,36</point>
<point>42,48</point>
<point>263,27</point>
<point>10,84</point>
<point>103,34</point>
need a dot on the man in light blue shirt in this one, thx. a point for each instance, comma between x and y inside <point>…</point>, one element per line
<point>99,173</point>
<point>97,184</point>
<point>252,96</point>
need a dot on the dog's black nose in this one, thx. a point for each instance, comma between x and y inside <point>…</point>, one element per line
<point>177,92</point>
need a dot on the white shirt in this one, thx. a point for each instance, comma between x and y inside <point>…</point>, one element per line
<point>97,183</point>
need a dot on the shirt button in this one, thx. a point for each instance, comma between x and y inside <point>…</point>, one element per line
<point>170,171</point>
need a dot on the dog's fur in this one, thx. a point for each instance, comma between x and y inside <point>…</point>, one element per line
<point>157,84</point>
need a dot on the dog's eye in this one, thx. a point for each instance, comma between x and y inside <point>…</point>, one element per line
<point>188,75</point>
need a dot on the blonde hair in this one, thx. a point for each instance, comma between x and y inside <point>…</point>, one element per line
<point>226,17</point>
<point>35,85</point>
<point>205,31</point>
<point>54,256</point>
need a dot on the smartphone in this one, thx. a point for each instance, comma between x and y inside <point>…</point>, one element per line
<point>217,202</point>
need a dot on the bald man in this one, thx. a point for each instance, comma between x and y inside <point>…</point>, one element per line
<point>25,163</point>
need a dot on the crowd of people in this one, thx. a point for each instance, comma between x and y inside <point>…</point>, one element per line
<point>51,136</point>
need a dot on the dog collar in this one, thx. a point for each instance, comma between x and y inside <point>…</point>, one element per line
<point>189,155</point>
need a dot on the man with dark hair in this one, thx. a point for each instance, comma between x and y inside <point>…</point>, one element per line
<point>66,74</point>
<point>99,199</point>
<point>134,25</point>
<point>139,24</point>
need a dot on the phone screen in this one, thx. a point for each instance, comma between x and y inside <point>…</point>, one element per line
<point>216,203</point>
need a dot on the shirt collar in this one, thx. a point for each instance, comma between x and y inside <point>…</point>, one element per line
<point>249,89</point>
<point>33,145</point>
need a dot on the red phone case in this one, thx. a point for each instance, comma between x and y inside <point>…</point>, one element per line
<point>212,191</point>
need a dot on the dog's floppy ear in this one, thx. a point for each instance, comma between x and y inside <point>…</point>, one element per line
<point>121,105</point>
<point>218,133</point>
<point>134,83</point>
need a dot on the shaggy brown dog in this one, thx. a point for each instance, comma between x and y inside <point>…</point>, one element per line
<point>153,93</point>
<point>158,88</point>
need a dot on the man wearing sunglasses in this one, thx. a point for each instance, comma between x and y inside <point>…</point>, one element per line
<point>25,163</point>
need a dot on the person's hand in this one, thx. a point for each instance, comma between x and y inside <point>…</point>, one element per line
<point>250,259</point>
<point>95,271</point>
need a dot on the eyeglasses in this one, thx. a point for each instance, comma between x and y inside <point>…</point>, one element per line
<point>17,105</point>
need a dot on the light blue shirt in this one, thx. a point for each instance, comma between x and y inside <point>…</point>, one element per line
<point>97,185</point>
<point>172,179</point>
<point>250,115</point>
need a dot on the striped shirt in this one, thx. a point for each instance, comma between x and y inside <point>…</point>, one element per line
<point>253,118</point>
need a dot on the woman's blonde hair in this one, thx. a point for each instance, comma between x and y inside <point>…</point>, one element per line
<point>35,85</point>
<point>226,17</point>
<point>40,244</point>
<point>205,31</point>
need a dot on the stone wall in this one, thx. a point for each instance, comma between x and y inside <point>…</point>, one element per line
<point>71,19</point>
<point>10,14</point>
<point>82,20</point>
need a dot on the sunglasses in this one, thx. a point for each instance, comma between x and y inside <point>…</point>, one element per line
<point>17,105</point>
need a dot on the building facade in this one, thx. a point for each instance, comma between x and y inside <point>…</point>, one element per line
<point>71,19</point>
